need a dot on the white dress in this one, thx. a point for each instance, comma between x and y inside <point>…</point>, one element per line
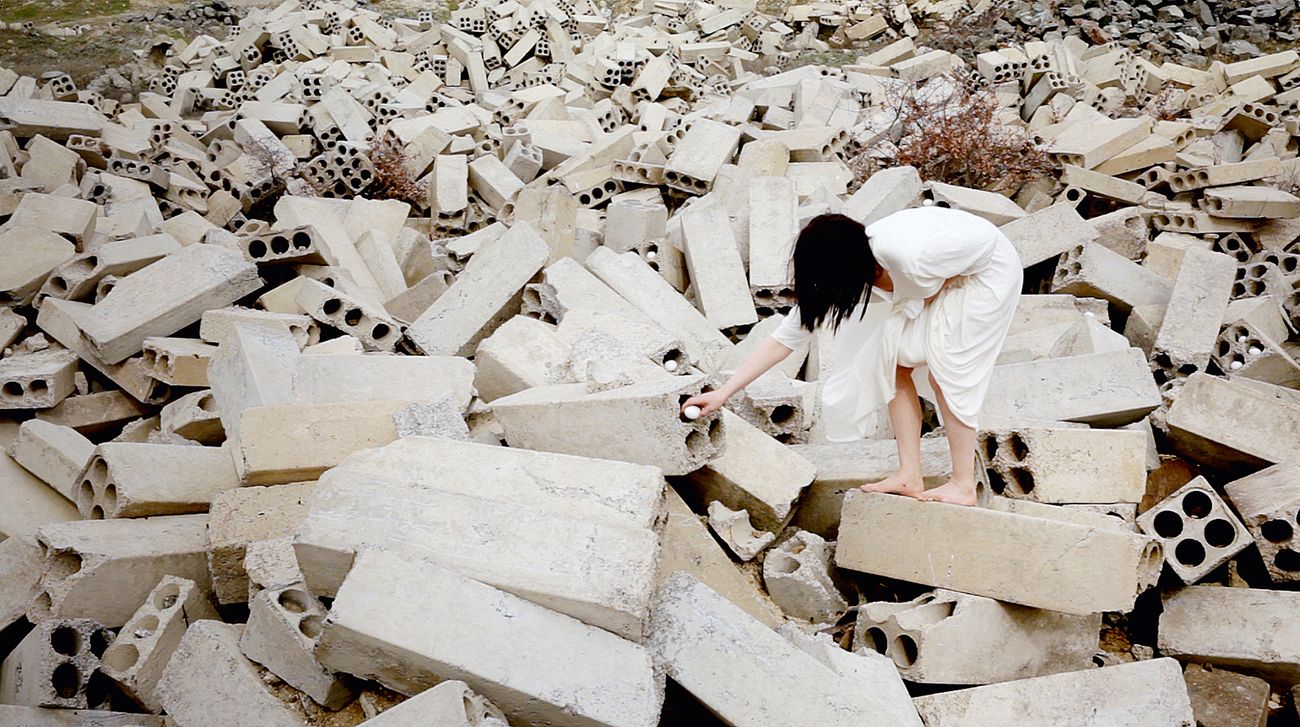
<point>957,336</point>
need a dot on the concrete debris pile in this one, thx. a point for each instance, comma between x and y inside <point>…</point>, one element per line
<point>267,328</point>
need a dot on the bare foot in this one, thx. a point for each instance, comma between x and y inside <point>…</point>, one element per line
<point>898,484</point>
<point>951,492</point>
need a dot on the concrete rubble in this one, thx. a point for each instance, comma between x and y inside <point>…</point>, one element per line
<point>342,372</point>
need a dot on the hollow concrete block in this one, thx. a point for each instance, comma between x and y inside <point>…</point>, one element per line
<point>451,703</point>
<point>1194,315</point>
<point>297,442</point>
<point>37,380</point>
<point>283,625</point>
<point>797,574</point>
<point>1221,423</point>
<point>332,378</point>
<point>521,353</point>
<point>1251,630</point>
<point>1047,233</point>
<point>717,272</point>
<point>367,322</point>
<point>56,665</point>
<point>27,503</point>
<point>1199,531</point>
<point>1066,465</point>
<point>1269,504</point>
<point>884,193</point>
<point>243,516</point>
<point>1105,389</point>
<point>52,452</point>
<point>127,479</point>
<point>1095,271</point>
<point>736,532</point>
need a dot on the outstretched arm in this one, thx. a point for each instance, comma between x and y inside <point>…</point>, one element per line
<point>767,354</point>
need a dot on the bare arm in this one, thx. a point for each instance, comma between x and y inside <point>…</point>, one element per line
<point>769,353</point>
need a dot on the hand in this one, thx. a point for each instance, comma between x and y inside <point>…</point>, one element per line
<point>708,402</point>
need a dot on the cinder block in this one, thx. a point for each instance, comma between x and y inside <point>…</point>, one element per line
<point>773,227</point>
<point>177,361</point>
<point>990,205</point>
<point>946,637</point>
<point>253,368</point>
<point>521,353</point>
<point>797,574</point>
<point>1220,423</point>
<point>104,569</point>
<point>717,272</point>
<point>297,442</point>
<point>20,562</point>
<point>77,278</point>
<point>27,503</point>
<point>640,423</point>
<point>146,643</point>
<point>218,325</point>
<point>1199,532</point>
<point>1194,315</point>
<point>33,253</point>
<point>125,479</point>
<point>56,665</point>
<point>696,634</point>
<point>1105,389</point>
<point>283,625</point>
<point>209,682</point>
<point>698,155</point>
<point>379,628</point>
<point>1221,175</point>
<point>484,295</point>
<point>735,530</point>
<point>1066,465</point>
<point>1251,630</point>
<point>492,180</point>
<point>331,378</point>
<point>1070,567</point>
<point>193,417</point>
<point>41,717</point>
<point>54,453</point>
<point>37,380</point>
<point>1147,693</point>
<point>366,322</point>
<point>241,517</point>
<point>1089,144</point>
<point>1269,504</point>
<point>1048,232</point>
<point>451,703</point>
<point>166,296</point>
<point>1094,271</point>
<point>1250,203</point>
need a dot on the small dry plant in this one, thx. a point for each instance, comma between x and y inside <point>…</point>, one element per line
<point>393,179</point>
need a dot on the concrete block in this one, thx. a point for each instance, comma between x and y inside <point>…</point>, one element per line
<point>77,278</point>
<point>297,442</point>
<point>735,530</point>
<point>1105,389</point>
<point>1195,312</point>
<point>1124,231</point>
<point>773,227</point>
<point>20,562</point>
<point>41,717</point>
<point>1221,423</point>
<point>1075,568</point>
<point>1269,504</point>
<point>72,218</point>
<point>696,634</point>
<point>698,155</point>
<point>332,378</point>
<point>33,253</point>
<point>1102,185</point>
<point>1250,203</point>
<point>126,479</point>
<point>946,637</point>
<point>361,319</point>
<point>1047,233</point>
<point>55,665</point>
<point>1222,698</point>
<point>484,295</point>
<point>37,380</point>
<point>640,423</point>
<point>1094,271</point>
<point>208,682</point>
<point>54,453</point>
<point>521,353</point>
<point>1066,465</point>
<point>1147,693</point>
<point>104,569</point>
<point>1251,630</point>
<point>137,657</point>
<point>379,628</point>
<point>62,320</point>
<point>492,180</point>
<point>218,325</point>
<point>990,205</point>
<point>166,296</point>
<point>717,272</point>
<point>797,574</point>
<point>27,503</point>
<point>283,625</point>
<point>92,413</point>
<point>253,368</point>
<point>843,466</point>
<point>244,516</point>
<point>178,361</point>
<point>1087,145</point>
<point>1199,532</point>
<point>1222,175</point>
<point>451,703</point>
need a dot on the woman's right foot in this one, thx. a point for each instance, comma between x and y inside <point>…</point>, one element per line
<point>898,484</point>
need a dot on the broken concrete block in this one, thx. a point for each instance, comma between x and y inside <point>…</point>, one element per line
<point>1094,271</point>
<point>209,682</point>
<point>166,296</point>
<point>483,296</point>
<point>1147,693</point>
<point>1105,389</point>
<point>1222,698</point>
<point>54,453</point>
<point>1194,315</point>
<point>880,534</point>
<point>104,569</point>
<point>193,417</point>
<point>378,628</point>
<point>640,423</point>
<point>1225,422</point>
<point>37,380</point>
<point>283,625</point>
<point>138,480</point>
<point>717,272</point>
<point>253,368</point>
<point>451,703</point>
<point>297,442</point>
<point>1199,532</point>
<point>1250,630</point>
<point>946,637</point>
<point>178,361</point>
<point>138,655</point>
<point>55,665</point>
<point>797,574</point>
<point>1066,465</point>
<point>42,717</point>
<point>1269,504</point>
<point>1048,232</point>
<point>241,517</point>
<point>32,253</point>
<point>20,562</point>
<point>695,632</point>
<point>736,532</point>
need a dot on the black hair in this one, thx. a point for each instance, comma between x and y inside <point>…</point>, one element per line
<point>834,269</point>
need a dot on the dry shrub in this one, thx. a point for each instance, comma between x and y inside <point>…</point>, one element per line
<point>392,178</point>
<point>948,131</point>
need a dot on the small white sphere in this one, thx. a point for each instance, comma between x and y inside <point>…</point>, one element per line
<point>692,412</point>
<point>1234,365</point>
<point>651,255</point>
<point>1090,314</point>
<point>1241,339</point>
<point>927,203</point>
<point>1255,350</point>
<point>670,365</point>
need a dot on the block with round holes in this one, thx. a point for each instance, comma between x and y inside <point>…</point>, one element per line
<point>56,665</point>
<point>1094,271</point>
<point>1066,465</point>
<point>1243,350</point>
<point>294,245</point>
<point>1250,630</point>
<point>283,625</point>
<point>177,361</point>
<point>76,278</point>
<point>1250,203</point>
<point>138,655</point>
<point>700,153</point>
<point>1269,503</point>
<point>55,453</point>
<point>125,479</point>
<point>37,380</point>
<point>31,253</point>
<point>1199,531</point>
<point>797,573</point>
<point>369,324</point>
<point>1197,303</point>
<point>946,637</point>
<point>449,704</point>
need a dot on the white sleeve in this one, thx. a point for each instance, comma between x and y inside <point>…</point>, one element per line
<point>791,332</point>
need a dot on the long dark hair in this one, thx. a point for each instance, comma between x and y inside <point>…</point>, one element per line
<point>834,269</point>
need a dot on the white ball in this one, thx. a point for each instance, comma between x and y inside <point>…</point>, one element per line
<point>651,255</point>
<point>1255,351</point>
<point>670,365</point>
<point>1234,365</point>
<point>692,412</point>
<point>1241,339</point>
<point>1090,314</point>
<point>927,203</point>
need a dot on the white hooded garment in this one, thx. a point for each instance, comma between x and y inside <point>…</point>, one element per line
<point>957,336</point>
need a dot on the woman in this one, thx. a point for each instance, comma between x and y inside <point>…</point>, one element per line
<point>948,283</point>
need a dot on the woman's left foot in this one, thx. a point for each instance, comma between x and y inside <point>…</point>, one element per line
<point>950,492</point>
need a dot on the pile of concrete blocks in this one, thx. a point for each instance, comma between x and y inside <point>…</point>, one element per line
<point>342,378</point>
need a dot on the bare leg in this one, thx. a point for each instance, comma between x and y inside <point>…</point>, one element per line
<point>905,416</point>
<point>960,490</point>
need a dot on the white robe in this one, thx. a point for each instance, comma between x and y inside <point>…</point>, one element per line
<point>957,336</point>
